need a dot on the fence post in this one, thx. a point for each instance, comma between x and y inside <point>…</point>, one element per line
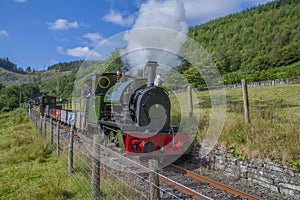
<point>40,123</point>
<point>190,100</point>
<point>35,120</point>
<point>246,101</point>
<point>70,157</point>
<point>45,128</point>
<point>57,140</point>
<point>80,109</point>
<point>96,166</point>
<point>51,127</point>
<point>154,181</point>
<point>51,134</point>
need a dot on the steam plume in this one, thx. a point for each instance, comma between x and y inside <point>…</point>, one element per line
<point>159,29</point>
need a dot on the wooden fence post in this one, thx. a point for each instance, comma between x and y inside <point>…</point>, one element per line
<point>40,123</point>
<point>246,101</point>
<point>70,157</point>
<point>154,181</point>
<point>45,128</point>
<point>57,140</point>
<point>51,127</point>
<point>96,167</point>
<point>190,100</point>
<point>51,134</point>
<point>35,120</point>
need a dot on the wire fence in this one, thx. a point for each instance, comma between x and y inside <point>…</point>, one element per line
<point>97,172</point>
<point>277,101</point>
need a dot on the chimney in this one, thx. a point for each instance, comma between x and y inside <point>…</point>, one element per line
<point>152,65</point>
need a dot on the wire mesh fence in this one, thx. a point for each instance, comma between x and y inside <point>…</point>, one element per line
<point>116,178</point>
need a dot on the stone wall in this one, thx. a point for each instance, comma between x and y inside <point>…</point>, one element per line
<point>265,173</point>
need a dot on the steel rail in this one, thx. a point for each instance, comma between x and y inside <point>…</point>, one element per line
<point>213,183</point>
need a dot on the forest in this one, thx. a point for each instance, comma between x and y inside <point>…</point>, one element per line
<point>256,44</point>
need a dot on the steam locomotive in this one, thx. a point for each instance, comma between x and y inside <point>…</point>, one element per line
<point>131,113</point>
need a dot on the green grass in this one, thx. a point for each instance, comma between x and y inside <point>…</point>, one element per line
<point>30,170</point>
<point>274,131</point>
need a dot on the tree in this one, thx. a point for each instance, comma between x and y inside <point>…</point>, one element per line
<point>1,86</point>
<point>28,69</point>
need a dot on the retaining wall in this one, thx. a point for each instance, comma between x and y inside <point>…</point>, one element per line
<point>265,173</point>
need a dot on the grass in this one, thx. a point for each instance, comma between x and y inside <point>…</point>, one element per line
<point>29,169</point>
<point>274,131</point>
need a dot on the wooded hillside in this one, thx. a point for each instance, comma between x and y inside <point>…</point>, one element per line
<point>254,40</point>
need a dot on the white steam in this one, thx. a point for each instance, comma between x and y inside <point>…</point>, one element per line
<point>157,35</point>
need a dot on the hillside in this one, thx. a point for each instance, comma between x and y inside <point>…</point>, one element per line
<point>254,40</point>
<point>10,75</point>
<point>5,63</point>
<point>8,78</point>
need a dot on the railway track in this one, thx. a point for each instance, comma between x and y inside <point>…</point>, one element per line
<point>237,193</point>
<point>184,183</point>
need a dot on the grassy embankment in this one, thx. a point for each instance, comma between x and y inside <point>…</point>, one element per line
<point>274,130</point>
<point>29,170</point>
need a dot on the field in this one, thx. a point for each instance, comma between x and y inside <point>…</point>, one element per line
<point>274,130</point>
<point>29,169</point>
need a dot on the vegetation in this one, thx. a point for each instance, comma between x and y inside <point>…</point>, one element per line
<point>274,128</point>
<point>61,88</point>
<point>258,44</point>
<point>11,97</point>
<point>27,169</point>
<point>253,43</point>
<point>66,66</point>
<point>5,63</point>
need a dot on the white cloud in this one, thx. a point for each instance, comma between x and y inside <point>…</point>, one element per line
<point>94,39</point>
<point>79,52</point>
<point>116,18</point>
<point>20,1</point>
<point>3,33</point>
<point>199,11</point>
<point>53,61</point>
<point>60,50</point>
<point>62,24</point>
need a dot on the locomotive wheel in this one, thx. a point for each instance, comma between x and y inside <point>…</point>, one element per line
<point>149,147</point>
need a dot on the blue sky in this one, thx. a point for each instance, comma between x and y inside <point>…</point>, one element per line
<point>39,33</point>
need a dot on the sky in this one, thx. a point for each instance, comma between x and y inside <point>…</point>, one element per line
<point>40,33</point>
